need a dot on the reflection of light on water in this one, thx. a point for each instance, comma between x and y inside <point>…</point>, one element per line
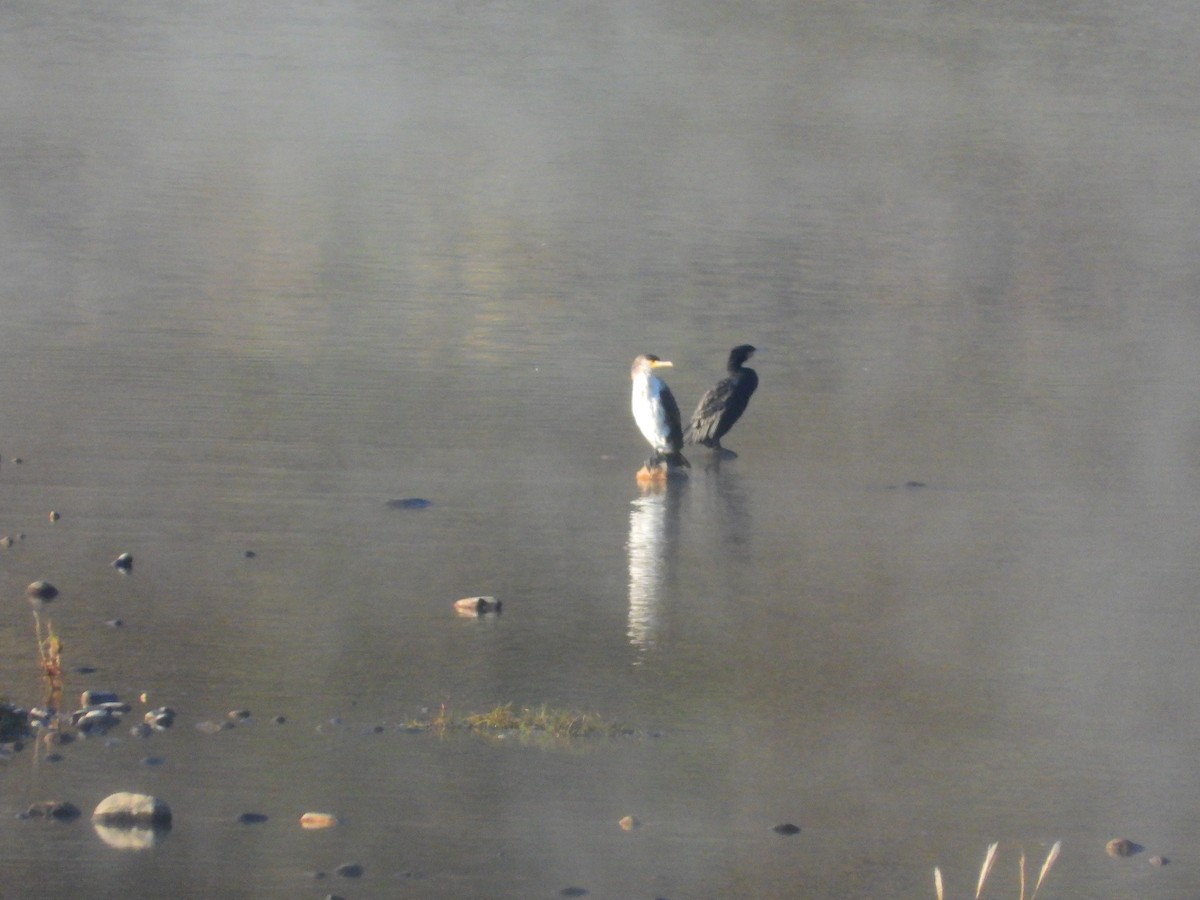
<point>137,838</point>
<point>647,524</point>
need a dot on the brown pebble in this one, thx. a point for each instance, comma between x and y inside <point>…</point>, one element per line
<point>630,822</point>
<point>54,517</point>
<point>1158,860</point>
<point>1119,847</point>
<point>6,541</point>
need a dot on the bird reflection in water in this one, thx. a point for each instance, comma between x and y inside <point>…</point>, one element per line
<point>653,534</point>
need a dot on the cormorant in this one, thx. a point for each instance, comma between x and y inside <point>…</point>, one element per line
<point>724,403</point>
<point>656,412</point>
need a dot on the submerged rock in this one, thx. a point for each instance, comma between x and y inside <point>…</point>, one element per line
<point>786,828</point>
<point>349,870</point>
<point>123,563</point>
<point>410,503</point>
<point>125,809</point>
<point>59,810</point>
<point>251,818</point>
<point>629,823</point>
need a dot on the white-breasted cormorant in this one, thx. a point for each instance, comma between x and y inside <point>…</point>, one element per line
<point>656,412</point>
<point>723,404</point>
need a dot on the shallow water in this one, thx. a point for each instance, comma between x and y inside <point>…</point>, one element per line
<point>265,270</point>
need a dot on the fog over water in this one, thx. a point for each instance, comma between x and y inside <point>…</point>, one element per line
<point>264,268</point>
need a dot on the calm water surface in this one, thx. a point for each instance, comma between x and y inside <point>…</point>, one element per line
<point>265,268</point>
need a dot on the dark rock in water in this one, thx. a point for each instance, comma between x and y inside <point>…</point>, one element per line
<point>54,517</point>
<point>250,554</point>
<point>59,810</point>
<point>114,623</point>
<point>161,718</point>
<point>95,698</point>
<point>249,818</point>
<point>279,720</point>
<point>410,503</point>
<point>237,715</point>
<point>125,809</point>
<point>153,760</point>
<point>349,870</point>
<point>1158,860</point>
<point>95,721</point>
<point>123,563</point>
<point>786,828</point>
<point>141,730</point>
<point>6,541</point>
<point>41,590</point>
<point>85,670</point>
<point>573,892</point>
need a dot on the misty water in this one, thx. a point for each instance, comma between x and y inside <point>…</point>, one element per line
<point>264,267</point>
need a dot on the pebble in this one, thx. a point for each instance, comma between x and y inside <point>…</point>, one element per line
<point>1120,847</point>
<point>54,517</point>
<point>349,870</point>
<point>114,623</point>
<point>1158,860</point>
<point>250,554</point>
<point>312,820</point>
<point>127,809</point>
<point>786,828</point>
<point>153,760</point>
<point>477,606</point>
<point>237,715</point>
<point>6,541</point>
<point>630,822</point>
<point>123,563</point>
<point>41,590</point>
<point>573,892</point>
<point>251,818</point>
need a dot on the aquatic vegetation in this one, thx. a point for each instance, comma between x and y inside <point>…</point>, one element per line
<point>989,860</point>
<point>527,721</point>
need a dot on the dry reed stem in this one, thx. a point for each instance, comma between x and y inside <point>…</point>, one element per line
<point>1050,858</point>
<point>988,861</point>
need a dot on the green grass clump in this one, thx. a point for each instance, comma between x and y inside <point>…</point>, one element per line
<point>555,722</point>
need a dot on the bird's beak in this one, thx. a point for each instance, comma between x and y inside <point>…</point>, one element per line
<point>659,363</point>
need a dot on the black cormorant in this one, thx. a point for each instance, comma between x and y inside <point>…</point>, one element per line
<point>656,412</point>
<point>724,403</point>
